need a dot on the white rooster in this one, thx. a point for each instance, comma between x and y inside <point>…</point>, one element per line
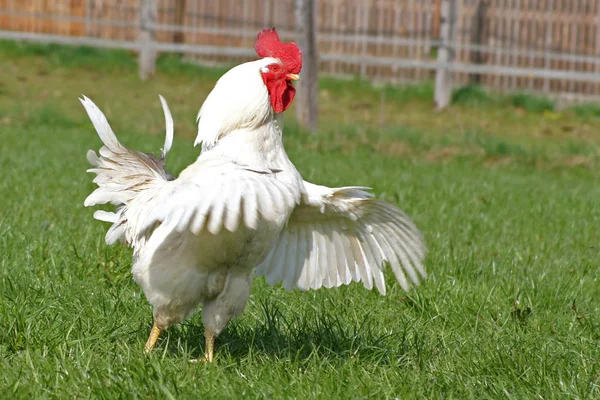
<point>242,209</point>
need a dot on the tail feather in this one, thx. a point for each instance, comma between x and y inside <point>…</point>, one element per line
<point>168,128</point>
<point>105,216</point>
<point>100,124</point>
<point>122,173</point>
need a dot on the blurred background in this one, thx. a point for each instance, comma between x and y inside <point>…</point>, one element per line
<point>540,46</point>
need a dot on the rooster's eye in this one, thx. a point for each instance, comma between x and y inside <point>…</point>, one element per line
<point>275,68</point>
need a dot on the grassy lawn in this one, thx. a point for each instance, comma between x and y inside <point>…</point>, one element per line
<point>505,189</point>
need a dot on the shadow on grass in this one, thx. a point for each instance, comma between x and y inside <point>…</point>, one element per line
<point>301,337</point>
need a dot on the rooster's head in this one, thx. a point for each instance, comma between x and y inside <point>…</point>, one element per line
<point>278,76</point>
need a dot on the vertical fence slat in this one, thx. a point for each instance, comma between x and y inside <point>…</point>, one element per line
<point>396,72</point>
<point>547,44</point>
<point>364,30</point>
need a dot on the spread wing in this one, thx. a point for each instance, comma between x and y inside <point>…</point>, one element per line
<point>221,196</point>
<point>341,235</point>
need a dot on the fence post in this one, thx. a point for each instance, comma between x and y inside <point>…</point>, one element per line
<point>477,38</point>
<point>443,75</point>
<point>147,54</point>
<point>306,28</point>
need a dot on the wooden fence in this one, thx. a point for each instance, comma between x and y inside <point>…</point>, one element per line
<point>549,46</point>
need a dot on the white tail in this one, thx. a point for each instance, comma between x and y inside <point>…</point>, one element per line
<point>121,173</point>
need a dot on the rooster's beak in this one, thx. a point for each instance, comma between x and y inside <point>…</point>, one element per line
<point>293,77</point>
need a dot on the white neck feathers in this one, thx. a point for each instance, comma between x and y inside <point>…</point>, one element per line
<point>239,101</point>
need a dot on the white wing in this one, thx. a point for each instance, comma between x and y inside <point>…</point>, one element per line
<point>341,235</point>
<point>213,195</point>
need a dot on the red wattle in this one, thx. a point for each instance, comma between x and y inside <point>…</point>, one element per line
<point>281,94</point>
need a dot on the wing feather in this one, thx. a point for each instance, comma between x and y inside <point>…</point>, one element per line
<point>274,257</point>
<point>234,201</point>
<point>250,206</point>
<point>348,252</point>
<point>340,255</point>
<point>391,258</point>
<point>303,256</point>
<point>270,198</point>
<point>319,275</point>
<point>218,205</point>
<point>406,240</point>
<point>401,251</point>
<point>202,212</point>
<point>372,255</point>
<point>409,232</point>
<point>336,236</point>
<point>184,221</point>
<point>213,198</point>
<point>409,240</point>
<point>264,199</point>
<point>362,268</point>
<point>325,247</point>
<point>291,247</point>
<point>330,249</point>
<point>280,258</point>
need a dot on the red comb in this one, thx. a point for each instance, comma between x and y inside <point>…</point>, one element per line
<point>268,45</point>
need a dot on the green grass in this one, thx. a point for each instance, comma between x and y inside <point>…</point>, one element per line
<point>472,95</point>
<point>507,200</point>
<point>531,103</point>
<point>587,110</point>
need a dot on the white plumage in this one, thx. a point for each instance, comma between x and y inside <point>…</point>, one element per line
<point>241,209</point>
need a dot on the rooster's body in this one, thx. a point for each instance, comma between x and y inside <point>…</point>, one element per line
<point>242,208</point>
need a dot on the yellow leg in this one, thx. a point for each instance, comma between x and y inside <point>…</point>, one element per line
<point>154,334</point>
<point>209,353</point>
